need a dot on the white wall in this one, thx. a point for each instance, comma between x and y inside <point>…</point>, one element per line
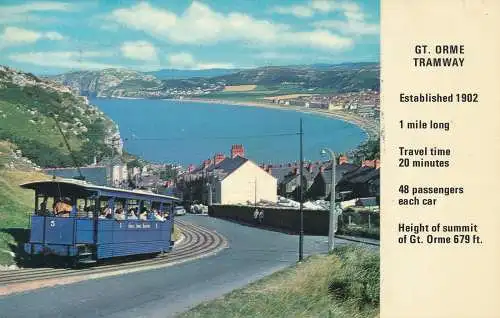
<point>239,186</point>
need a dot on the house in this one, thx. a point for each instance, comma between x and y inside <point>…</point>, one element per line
<point>290,185</point>
<point>362,182</point>
<point>238,180</point>
<point>321,185</point>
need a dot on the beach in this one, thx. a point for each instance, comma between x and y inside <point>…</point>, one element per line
<point>369,126</point>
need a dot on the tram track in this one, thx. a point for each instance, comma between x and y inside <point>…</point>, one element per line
<point>198,242</point>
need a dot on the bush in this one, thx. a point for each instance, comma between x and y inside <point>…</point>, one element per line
<point>358,279</point>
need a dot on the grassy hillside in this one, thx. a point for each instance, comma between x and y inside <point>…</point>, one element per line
<point>15,203</point>
<point>344,284</point>
<point>27,109</point>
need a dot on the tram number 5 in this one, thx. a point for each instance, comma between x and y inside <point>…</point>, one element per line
<point>52,223</point>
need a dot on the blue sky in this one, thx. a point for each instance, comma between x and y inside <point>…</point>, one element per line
<point>47,37</point>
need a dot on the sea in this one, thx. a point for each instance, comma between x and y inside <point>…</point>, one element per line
<point>185,132</point>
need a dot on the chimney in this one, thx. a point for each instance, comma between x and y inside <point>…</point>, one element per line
<point>219,158</point>
<point>377,164</point>
<point>343,159</point>
<point>368,163</point>
<point>206,163</point>
<point>190,168</point>
<point>322,168</point>
<point>270,170</point>
<point>311,168</point>
<point>295,171</point>
<point>237,150</point>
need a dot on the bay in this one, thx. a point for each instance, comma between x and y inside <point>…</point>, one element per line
<point>185,132</point>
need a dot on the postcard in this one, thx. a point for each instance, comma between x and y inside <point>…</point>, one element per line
<point>207,158</point>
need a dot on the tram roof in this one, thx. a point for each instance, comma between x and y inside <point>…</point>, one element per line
<point>60,185</point>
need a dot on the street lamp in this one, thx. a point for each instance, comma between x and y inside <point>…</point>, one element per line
<point>333,218</point>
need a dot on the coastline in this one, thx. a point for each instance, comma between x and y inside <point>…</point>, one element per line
<point>370,128</point>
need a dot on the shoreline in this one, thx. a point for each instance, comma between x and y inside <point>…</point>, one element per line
<point>369,127</point>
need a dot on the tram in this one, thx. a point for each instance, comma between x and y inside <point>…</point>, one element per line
<point>85,223</point>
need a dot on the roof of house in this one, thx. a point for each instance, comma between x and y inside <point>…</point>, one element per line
<point>362,175</point>
<point>340,171</point>
<point>228,166</point>
<point>291,176</point>
<point>280,173</point>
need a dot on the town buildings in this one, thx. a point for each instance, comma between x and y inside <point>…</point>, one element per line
<point>237,180</point>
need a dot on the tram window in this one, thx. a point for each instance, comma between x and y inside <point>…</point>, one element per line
<point>105,211</point>
<point>80,209</point>
<point>90,207</point>
<point>119,209</point>
<point>44,204</point>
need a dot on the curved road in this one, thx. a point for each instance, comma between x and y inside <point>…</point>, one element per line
<point>252,254</point>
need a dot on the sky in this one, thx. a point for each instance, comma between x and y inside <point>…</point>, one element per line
<point>49,37</point>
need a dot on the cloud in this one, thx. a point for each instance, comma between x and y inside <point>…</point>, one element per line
<point>354,23</point>
<point>351,26</point>
<point>21,13</point>
<point>200,25</point>
<point>310,9</point>
<point>13,36</point>
<point>139,50</point>
<point>185,60</point>
<point>64,59</point>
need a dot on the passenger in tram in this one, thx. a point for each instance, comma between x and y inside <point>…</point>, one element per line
<point>107,212</point>
<point>43,206</point>
<point>63,207</point>
<point>119,215</point>
<point>144,215</point>
<point>158,216</point>
<point>131,214</point>
<point>102,214</point>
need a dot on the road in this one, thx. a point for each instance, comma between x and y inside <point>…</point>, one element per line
<point>252,254</point>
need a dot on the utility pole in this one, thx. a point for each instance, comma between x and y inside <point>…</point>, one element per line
<point>333,215</point>
<point>301,199</point>
<point>255,192</point>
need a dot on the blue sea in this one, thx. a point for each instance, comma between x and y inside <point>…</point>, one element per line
<point>187,132</point>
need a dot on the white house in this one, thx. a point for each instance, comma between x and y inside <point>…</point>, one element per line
<point>239,181</point>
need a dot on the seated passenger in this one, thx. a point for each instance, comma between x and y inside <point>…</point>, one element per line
<point>131,215</point>
<point>144,215</point>
<point>119,215</point>
<point>158,217</point>
<point>43,207</point>
<point>62,207</point>
<point>102,215</point>
<point>107,212</point>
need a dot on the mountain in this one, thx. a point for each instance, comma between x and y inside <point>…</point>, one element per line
<point>108,82</point>
<point>337,78</point>
<point>185,74</point>
<point>322,78</point>
<point>28,105</point>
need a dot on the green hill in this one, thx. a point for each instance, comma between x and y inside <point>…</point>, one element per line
<point>349,77</point>
<point>27,108</point>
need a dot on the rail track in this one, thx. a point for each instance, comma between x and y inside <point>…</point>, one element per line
<point>198,242</point>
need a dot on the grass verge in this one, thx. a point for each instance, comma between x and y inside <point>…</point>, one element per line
<point>343,284</point>
<point>15,204</point>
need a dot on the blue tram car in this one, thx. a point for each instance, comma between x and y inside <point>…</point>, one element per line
<point>86,223</point>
